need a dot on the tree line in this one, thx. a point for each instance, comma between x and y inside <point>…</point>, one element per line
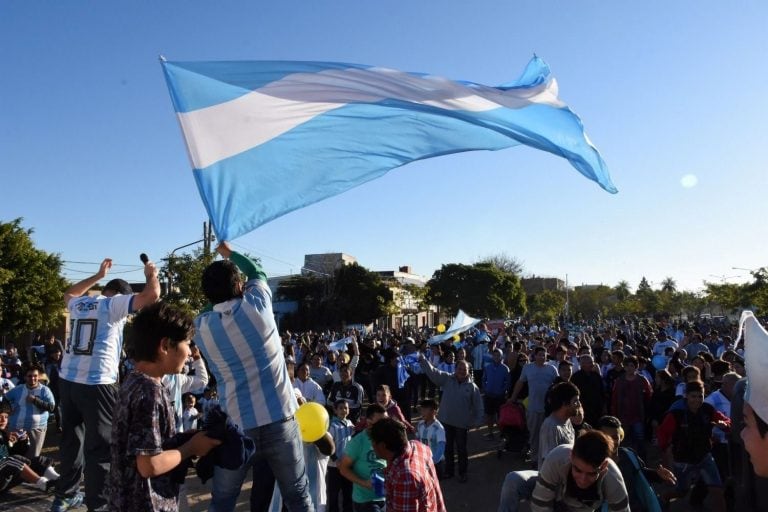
<point>32,285</point>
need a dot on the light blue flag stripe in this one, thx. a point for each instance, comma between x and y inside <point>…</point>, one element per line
<point>353,125</point>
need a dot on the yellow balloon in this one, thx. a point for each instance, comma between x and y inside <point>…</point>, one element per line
<point>525,403</point>
<point>456,337</point>
<point>440,328</point>
<point>313,421</point>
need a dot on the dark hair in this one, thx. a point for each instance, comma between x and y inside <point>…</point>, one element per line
<point>34,367</point>
<point>631,360</point>
<point>593,447</point>
<point>220,281</point>
<point>619,354</point>
<point>538,348</point>
<point>666,378</point>
<point>564,363</point>
<point>561,394</point>
<point>609,422</point>
<point>155,322</point>
<point>339,402</point>
<point>720,368</point>
<point>373,410</point>
<point>383,387</point>
<point>429,404</point>
<point>690,369</point>
<point>120,286</point>
<point>694,386</point>
<point>390,432</point>
<point>5,407</point>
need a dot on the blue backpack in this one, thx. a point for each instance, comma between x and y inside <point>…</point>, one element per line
<point>641,494</point>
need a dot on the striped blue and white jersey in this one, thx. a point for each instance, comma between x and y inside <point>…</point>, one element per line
<point>26,415</point>
<point>92,352</point>
<point>432,435</point>
<point>239,339</point>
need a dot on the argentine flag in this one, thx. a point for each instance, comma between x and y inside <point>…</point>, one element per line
<point>269,137</point>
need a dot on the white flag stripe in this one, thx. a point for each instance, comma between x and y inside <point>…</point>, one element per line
<point>221,131</point>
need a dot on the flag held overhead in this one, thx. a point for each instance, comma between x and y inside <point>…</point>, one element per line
<point>269,137</point>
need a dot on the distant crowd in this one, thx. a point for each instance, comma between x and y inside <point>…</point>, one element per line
<point>583,405</point>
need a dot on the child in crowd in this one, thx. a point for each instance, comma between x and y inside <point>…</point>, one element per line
<point>190,414</point>
<point>384,399</point>
<point>144,418</point>
<point>341,431</point>
<point>14,468</point>
<point>432,433</point>
<point>209,401</point>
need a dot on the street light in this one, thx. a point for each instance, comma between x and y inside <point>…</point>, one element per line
<point>170,262</point>
<point>723,277</point>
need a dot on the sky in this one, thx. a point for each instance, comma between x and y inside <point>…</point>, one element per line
<point>673,94</point>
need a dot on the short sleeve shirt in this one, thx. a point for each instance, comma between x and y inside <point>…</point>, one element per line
<point>365,463</point>
<point>142,420</point>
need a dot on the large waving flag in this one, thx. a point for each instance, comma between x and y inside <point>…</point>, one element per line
<point>266,138</point>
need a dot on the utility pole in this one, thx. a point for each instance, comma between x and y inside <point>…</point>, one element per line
<point>207,238</point>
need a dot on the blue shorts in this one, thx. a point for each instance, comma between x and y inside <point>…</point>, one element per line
<point>706,470</point>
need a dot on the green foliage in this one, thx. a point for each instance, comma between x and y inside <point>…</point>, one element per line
<point>31,286</point>
<point>185,272</point>
<point>353,295</point>
<point>546,306</point>
<point>481,290</point>
<point>590,302</point>
<point>504,262</point>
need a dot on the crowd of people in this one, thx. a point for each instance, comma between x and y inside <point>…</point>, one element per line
<point>585,406</point>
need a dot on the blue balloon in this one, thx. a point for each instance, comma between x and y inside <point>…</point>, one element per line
<point>659,362</point>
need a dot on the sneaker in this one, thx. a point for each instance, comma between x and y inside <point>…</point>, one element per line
<point>64,504</point>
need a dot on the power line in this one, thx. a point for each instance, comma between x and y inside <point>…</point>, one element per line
<point>99,263</point>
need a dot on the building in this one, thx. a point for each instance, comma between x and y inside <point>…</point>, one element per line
<point>326,264</point>
<point>535,284</point>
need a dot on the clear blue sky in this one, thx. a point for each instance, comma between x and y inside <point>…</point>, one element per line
<point>92,157</point>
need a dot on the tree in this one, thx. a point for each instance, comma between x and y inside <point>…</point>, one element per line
<point>590,302</point>
<point>504,262</point>
<point>668,285</point>
<point>546,306</point>
<point>31,286</point>
<point>622,290</point>
<point>358,296</point>
<point>184,273</point>
<point>481,290</point>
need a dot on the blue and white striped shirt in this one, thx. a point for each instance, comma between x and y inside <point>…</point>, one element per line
<point>432,435</point>
<point>92,353</point>
<point>239,339</point>
<point>26,415</point>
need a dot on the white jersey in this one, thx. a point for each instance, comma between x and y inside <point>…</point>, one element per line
<point>92,352</point>
<point>432,435</point>
<point>317,467</point>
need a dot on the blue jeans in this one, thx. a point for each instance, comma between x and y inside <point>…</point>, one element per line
<point>517,487</point>
<point>278,445</point>
<point>370,506</point>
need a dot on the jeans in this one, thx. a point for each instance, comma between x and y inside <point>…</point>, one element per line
<point>636,438</point>
<point>459,437</point>
<point>370,506</point>
<point>86,412</point>
<point>518,486</point>
<point>335,484</point>
<point>279,449</point>
<point>533,421</point>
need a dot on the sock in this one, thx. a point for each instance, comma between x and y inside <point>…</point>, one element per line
<point>51,473</point>
<point>41,483</point>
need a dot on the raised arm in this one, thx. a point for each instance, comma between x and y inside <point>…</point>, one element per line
<point>250,268</point>
<point>78,289</point>
<point>151,292</point>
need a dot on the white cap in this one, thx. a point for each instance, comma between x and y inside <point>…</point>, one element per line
<point>756,361</point>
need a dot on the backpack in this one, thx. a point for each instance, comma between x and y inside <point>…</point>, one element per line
<point>512,416</point>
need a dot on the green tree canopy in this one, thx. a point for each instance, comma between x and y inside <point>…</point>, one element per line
<point>481,290</point>
<point>184,272</point>
<point>546,306</point>
<point>31,286</point>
